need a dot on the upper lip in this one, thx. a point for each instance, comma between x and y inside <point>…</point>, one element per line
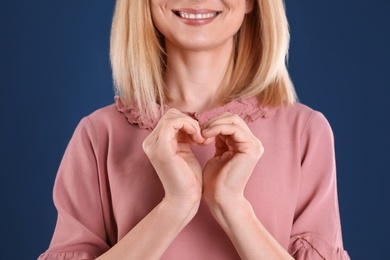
<point>195,11</point>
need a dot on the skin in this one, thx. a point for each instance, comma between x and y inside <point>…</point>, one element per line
<point>197,62</point>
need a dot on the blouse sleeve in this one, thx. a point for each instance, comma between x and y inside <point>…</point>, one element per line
<point>316,231</point>
<point>79,232</point>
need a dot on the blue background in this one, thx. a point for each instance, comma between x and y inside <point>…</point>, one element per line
<point>54,69</point>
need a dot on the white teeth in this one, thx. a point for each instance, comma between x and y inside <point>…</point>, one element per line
<point>196,16</point>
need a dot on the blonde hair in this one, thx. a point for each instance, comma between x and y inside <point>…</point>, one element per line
<point>258,64</point>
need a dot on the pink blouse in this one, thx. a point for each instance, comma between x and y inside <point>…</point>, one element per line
<point>105,185</point>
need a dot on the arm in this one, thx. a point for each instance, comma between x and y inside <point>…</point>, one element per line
<point>168,148</point>
<point>76,196</point>
<point>151,237</point>
<point>249,236</point>
<point>225,178</point>
<point>81,232</point>
<point>316,231</point>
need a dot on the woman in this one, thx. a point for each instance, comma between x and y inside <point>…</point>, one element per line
<point>206,154</point>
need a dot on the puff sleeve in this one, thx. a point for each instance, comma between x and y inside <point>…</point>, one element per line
<point>316,231</point>
<point>79,232</point>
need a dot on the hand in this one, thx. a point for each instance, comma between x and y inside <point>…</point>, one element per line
<point>237,152</point>
<point>168,149</point>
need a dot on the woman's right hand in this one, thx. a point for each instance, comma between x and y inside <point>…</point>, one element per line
<point>168,149</point>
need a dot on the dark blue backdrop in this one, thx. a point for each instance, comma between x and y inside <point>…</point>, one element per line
<point>54,69</point>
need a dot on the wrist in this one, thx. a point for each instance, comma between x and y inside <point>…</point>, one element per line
<point>229,207</point>
<point>183,210</point>
<point>226,200</point>
<point>233,217</point>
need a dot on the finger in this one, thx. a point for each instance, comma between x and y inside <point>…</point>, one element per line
<point>171,128</point>
<point>196,136</point>
<point>192,129</point>
<point>228,119</point>
<point>236,132</point>
<point>223,117</point>
<point>207,141</point>
<point>174,122</point>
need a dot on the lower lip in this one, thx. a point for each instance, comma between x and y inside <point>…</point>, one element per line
<point>197,22</point>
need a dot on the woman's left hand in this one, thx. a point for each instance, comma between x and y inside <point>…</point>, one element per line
<point>225,176</point>
<point>237,152</point>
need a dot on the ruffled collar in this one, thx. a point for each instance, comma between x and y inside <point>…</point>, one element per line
<point>248,109</point>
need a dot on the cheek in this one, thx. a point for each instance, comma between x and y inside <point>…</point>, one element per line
<point>160,25</point>
<point>160,15</point>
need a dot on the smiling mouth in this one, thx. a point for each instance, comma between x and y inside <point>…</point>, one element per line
<point>196,16</point>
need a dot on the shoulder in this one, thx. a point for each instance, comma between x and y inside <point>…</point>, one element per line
<point>295,110</point>
<point>105,115</point>
<point>108,132</point>
<point>313,123</point>
<point>302,115</point>
<point>102,123</point>
<point>299,120</point>
<point>104,118</point>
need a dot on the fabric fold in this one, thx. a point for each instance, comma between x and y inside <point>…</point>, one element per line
<point>313,247</point>
<point>76,255</point>
<point>248,109</point>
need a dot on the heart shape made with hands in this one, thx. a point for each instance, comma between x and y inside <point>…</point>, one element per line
<point>236,153</point>
<point>176,130</point>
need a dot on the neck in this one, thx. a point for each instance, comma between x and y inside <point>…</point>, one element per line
<point>193,78</point>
